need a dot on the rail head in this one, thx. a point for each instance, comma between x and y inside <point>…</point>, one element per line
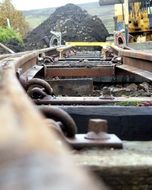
<point>63,49</point>
<point>132,53</point>
<point>136,54</point>
<point>24,60</point>
<point>136,62</point>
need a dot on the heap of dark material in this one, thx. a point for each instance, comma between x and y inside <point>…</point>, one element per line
<point>74,23</point>
<point>13,45</point>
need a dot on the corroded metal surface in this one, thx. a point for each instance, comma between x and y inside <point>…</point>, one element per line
<point>136,70</point>
<point>31,155</point>
<point>39,83</point>
<point>81,142</point>
<point>80,72</point>
<point>97,136</point>
<point>69,127</point>
<point>136,62</point>
<point>27,117</point>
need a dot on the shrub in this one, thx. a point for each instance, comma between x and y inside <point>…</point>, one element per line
<point>8,34</point>
<point>16,18</point>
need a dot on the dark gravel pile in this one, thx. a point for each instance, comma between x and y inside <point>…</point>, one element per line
<point>13,45</point>
<point>74,23</point>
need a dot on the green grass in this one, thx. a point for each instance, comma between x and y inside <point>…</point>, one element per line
<point>7,34</point>
<point>128,103</point>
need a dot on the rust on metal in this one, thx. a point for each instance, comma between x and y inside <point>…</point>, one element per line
<point>80,142</point>
<point>57,114</point>
<point>36,93</point>
<point>143,73</point>
<point>40,83</point>
<point>135,54</point>
<point>80,72</point>
<point>97,136</point>
<point>27,65</point>
<point>27,146</point>
<point>32,72</point>
<point>136,62</point>
<point>98,125</point>
<point>63,50</point>
<point>97,130</point>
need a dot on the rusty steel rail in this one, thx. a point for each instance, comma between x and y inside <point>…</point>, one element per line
<point>62,50</point>
<point>136,62</point>
<point>25,60</point>
<point>27,145</point>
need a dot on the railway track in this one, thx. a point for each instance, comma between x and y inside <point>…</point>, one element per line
<point>27,145</point>
<point>49,73</point>
<point>80,121</point>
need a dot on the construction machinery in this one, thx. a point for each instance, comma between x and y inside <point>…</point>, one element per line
<point>137,16</point>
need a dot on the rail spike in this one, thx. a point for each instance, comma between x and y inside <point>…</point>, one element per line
<point>69,127</point>
<point>36,82</point>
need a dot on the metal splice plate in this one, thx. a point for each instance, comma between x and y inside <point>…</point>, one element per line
<point>80,142</point>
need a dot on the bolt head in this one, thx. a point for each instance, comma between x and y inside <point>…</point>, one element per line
<point>97,130</point>
<point>98,125</point>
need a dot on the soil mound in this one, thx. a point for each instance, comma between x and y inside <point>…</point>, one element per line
<point>74,23</point>
<point>13,45</point>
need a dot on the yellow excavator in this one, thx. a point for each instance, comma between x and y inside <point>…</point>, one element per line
<point>136,15</point>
